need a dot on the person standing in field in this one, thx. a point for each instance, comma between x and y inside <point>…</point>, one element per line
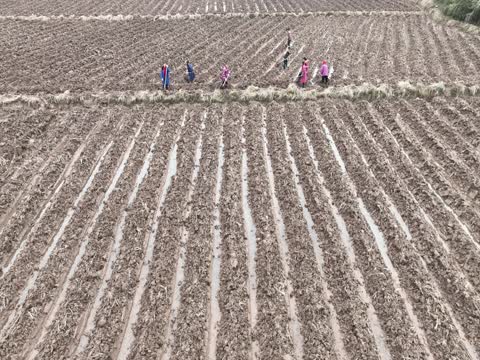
<point>285,59</point>
<point>289,38</point>
<point>225,76</point>
<point>324,72</point>
<point>304,73</point>
<point>190,72</point>
<point>165,76</point>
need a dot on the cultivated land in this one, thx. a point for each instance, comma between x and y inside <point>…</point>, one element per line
<point>192,7</point>
<point>126,55</point>
<point>227,228</point>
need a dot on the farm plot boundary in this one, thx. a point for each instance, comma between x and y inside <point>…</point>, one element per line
<point>403,89</point>
<point>128,17</point>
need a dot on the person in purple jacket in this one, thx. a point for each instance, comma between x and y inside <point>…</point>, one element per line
<point>324,72</point>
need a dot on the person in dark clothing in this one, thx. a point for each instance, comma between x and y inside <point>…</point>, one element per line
<point>190,72</point>
<point>289,38</point>
<point>285,59</point>
<point>165,76</point>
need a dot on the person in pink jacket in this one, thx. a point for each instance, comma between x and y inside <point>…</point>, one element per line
<point>304,73</point>
<point>324,72</point>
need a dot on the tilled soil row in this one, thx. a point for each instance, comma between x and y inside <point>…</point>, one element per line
<point>40,236</point>
<point>458,239</point>
<point>83,283</point>
<point>312,310</point>
<point>191,332</point>
<point>39,195</point>
<point>36,149</point>
<point>24,132</point>
<point>350,308</point>
<point>378,281</point>
<point>271,331</point>
<point>113,312</point>
<point>458,174</point>
<point>151,328</point>
<point>409,264</point>
<point>40,298</point>
<point>450,279</point>
<point>461,121</point>
<point>235,334</point>
<point>456,135</point>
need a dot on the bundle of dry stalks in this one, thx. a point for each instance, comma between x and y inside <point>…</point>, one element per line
<point>252,93</point>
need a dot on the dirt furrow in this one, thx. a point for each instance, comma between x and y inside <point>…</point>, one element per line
<point>31,214</point>
<point>34,153</point>
<point>334,344</point>
<point>86,326</point>
<point>19,138</point>
<point>347,284</point>
<point>450,279</point>
<point>37,237</point>
<point>410,266</point>
<point>37,296</point>
<point>458,237</point>
<point>457,117</point>
<point>54,334</point>
<point>447,146</point>
<point>250,231</point>
<point>282,242</point>
<point>165,323</point>
<point>271,331</point>
<point>48,233</point>
<point>112,314</point>
<point>330,227</point>
<point>192,322</point>
<point>127,336</point>
<point>381,277</point>
<point>237,300</point>
<point>381,245</point>
<point>417,67</point>
<point>214,314</point>
<point>405,249</point>
<point>307,284</point>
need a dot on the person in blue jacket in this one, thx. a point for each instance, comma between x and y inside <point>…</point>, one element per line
<point>190,72</point>
<point>165,76</point>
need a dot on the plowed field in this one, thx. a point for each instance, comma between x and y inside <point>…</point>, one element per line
<point>326,229</point>
<point>331,223</point>
<point>173,7</point>
<point>122,55</point>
